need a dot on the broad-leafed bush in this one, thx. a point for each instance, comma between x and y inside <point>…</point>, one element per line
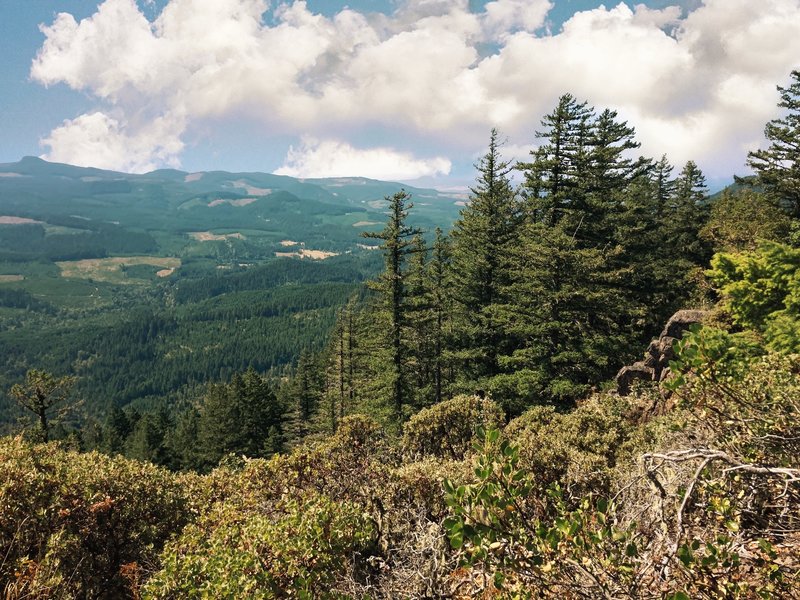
<point>298,548</point>
<point>81,525</point>
<point>447,429</point>
<point>577,450</point>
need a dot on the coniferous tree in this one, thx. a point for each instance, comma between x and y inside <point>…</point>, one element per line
<point>147,441</point>
<point>571,306</point>
<point>185,451</point>
<point>242,417</point>
<point>396,245</point>
<point>420,340</point>
<point>480,270</point>
<point>41,394</point>
<point>656,279</point>
<point>663,186</point>
<point>688,215</point>
<point>778,166</point>
<point>303,395</point>
<point>608,175</point>
<point>554,179</point>
<point>440,306</point>
<point>116,429</point>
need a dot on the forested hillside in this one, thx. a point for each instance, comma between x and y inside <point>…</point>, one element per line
<point>452,426</point>
<point>146,286</point>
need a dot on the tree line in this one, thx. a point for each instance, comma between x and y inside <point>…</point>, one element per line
<point>539,292</point>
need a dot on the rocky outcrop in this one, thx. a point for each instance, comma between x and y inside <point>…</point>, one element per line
<point>655,366</point>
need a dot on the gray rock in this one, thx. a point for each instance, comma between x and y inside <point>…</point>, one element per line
<point>680,322</point>
<point>627,375</point>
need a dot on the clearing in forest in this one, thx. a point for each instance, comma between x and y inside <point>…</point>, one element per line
<point>114,269</point>
<point>304,253</point>
<point>207,236</point>
<point>239,202</point>
<point>9,220</point>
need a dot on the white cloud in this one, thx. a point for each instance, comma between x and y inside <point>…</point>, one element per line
<point>502,16</point>
<point>698,86</point>
<point>330,158</point>
<point>98,140</point>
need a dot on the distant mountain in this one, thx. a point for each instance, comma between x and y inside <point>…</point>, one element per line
<point>34,174</point>
<point>215,214</point>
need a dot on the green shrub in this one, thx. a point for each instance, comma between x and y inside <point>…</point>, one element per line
<point>298,549</point>
<point>495,527</point>
<point>447,429</point>
<point>577,450</point>
<point>761,291</point>
<point>81,525</point>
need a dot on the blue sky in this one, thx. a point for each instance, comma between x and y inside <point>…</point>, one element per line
<point>396,89</point>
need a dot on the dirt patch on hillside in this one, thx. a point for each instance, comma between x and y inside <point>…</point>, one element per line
<point>10,278</point>
<point>250,189</point>
<point>207,236</point>
<point>9,220</point>
<point>240,202</point>
<point>305,253</point>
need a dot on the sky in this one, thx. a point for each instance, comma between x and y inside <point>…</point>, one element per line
<point>405,90</point>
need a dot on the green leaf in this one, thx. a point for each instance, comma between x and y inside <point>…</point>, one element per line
<point>448,487</point>
<point>602,505</point>
<point>499,579</point>
<point>456,540</point>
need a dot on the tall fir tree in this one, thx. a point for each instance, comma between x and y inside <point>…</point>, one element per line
<point>662,186</point>
<point>390,286</point>
<point>555,177</point>
<point>778,166</point>
<point>689,213</point>
<point>480,269</point>
<point>570,305</point>
<point>303,395</point>
<point>419,335</point>
<point>241,417</point>
<point>441,310</point>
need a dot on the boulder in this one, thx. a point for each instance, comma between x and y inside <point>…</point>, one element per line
<point>681,321</point>
<point>627,375</point>
<point>655,366</point>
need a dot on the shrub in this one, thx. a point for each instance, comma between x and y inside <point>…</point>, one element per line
<point>81,525</point>
<point>299,548</point>
<point>761,291</point>
<point>577,450</point>
<point>447,429</point>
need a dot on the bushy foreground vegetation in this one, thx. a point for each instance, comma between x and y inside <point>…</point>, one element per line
<point>701,502</point>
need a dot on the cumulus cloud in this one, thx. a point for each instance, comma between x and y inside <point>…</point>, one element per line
<point>502,16</point>
<point>331,158</point>
<point>101,141</point>
<point>434,73</point>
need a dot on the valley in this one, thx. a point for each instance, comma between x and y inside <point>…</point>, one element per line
<point>123,279</point>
